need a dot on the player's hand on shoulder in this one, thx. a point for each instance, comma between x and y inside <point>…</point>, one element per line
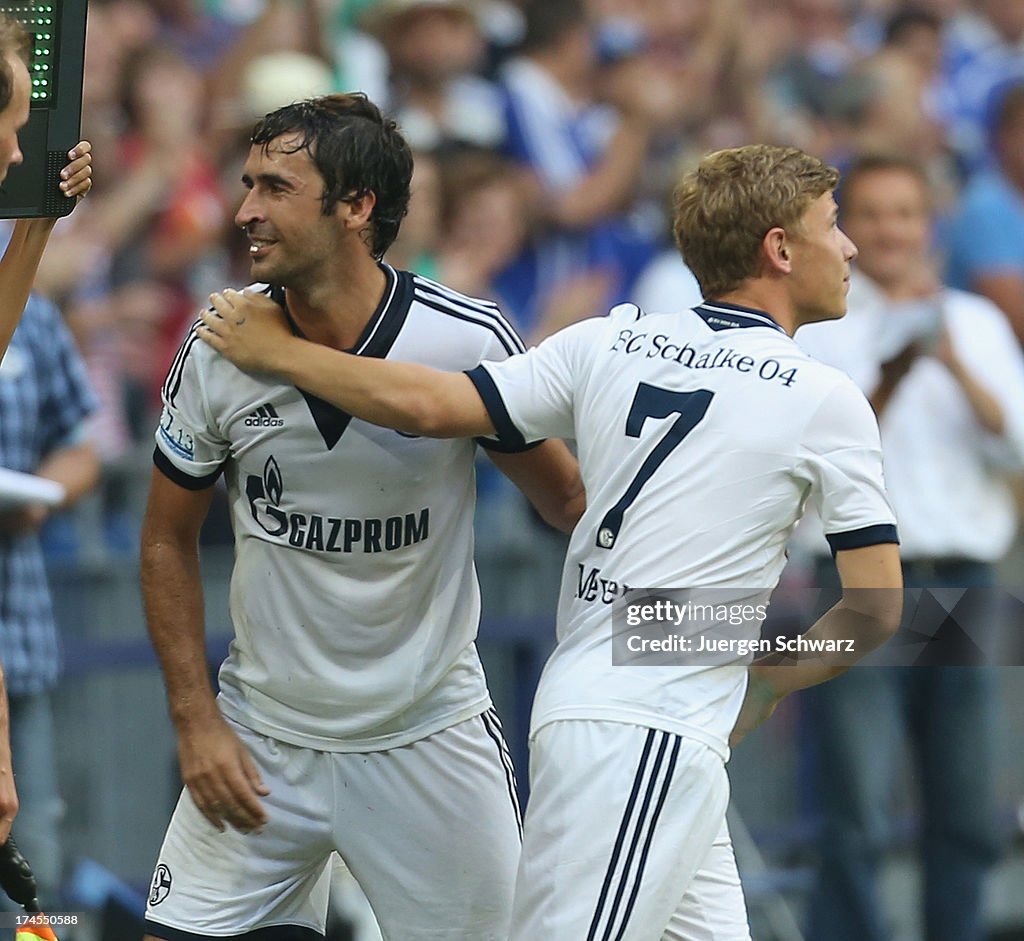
<point>76,177</point>
<point>248,328</point>
<point>220,775</point>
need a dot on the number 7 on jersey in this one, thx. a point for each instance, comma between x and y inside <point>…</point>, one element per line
<point>653,402</point>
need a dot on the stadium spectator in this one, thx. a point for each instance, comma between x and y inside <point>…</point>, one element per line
<point>984,49</point>
<point>485,220</point>
<point>416,247</point>
<point>986,238</point>
<point>583,126</point>
<point>435,50</point>
<point>946,379</point>
<point>23,445</point>
<point>666,284</point>
<point>44,401</point>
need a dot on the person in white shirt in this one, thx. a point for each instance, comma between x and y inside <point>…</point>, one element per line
<point>945,375</point>
<point>353,714</point>
<point>701,436</point>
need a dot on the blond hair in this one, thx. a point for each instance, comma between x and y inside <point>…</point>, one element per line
<point>723,209</point>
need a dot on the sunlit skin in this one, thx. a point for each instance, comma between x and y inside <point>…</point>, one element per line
<point>324,262</point>
<point>804,274</point>
<point>820,254</point>
<point>291,240</point>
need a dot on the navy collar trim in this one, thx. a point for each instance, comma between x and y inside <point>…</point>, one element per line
<point>376,341</point>
<point>719,315</point>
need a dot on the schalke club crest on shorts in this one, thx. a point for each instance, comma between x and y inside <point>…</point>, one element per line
<point>160,887</point>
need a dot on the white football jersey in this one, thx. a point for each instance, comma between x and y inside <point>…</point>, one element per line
<point>353,597</point>
<point>701,435</point>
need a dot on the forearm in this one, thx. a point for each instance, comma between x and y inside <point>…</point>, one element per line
<point>847,632</point>
<point>76,468</point>
<point>607,189</point>
<point>549,477</point>
<point>6,771</point>
<point>173,597</point>
<point>880,396</point>
<point>18,270</point>
<point>985,406</point>
<point>8,791</point>
<point>406,396</point>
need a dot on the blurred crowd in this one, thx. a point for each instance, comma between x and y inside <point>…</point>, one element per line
<point>547,138</point>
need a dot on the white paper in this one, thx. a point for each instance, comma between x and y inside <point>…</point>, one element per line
<point>17,489</point>
<point>918,321</point>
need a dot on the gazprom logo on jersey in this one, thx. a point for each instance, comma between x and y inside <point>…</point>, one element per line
<point>328,533</point>
<point>264,417</point>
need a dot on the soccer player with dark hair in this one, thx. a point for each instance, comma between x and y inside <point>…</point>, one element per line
<point>702,435</point>
<point>353,714</point>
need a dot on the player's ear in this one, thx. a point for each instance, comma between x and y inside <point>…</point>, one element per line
<point>776,248</point>
<point>356,210</point>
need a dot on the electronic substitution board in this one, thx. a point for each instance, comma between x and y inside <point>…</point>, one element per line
<point>57,31</point>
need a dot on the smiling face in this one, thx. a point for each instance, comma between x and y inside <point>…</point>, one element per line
<point>290,239</point>
<point>887,212</point>
<point>15,116</point>
<point>820,254</point>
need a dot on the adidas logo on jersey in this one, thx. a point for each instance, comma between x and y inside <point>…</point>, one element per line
<point>264,417</point>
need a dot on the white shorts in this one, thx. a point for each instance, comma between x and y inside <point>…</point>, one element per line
<point>429,830</point>
<point>625,839</point>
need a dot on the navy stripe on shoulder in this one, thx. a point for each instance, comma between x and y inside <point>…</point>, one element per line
<point>486,309</point>
<point>173,381</point>
<point>508,434</point>
<point>270,933</point>
<point>442,290</point>
<point>511,347</point>
<point>859,538</point>
<point>176,475</point>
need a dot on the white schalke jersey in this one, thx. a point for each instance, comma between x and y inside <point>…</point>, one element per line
<point>353,597</point>
<point>701,435</point>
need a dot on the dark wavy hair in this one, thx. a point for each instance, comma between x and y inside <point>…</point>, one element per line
<point>13,39</point>
<point>356,150</point>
